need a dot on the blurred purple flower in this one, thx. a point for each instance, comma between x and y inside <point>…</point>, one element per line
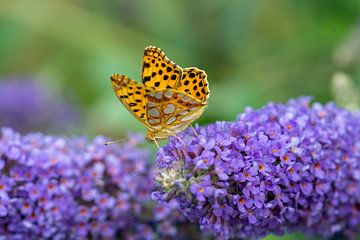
<point>284,167</point>
<point>25,106</point>
<point>65,188</point>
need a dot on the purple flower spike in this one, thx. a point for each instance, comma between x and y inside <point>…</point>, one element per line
<point>282,168</point>
<point>65,188</point>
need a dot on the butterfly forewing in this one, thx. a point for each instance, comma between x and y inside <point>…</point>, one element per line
<point>194,82</point>
<point>158,71</point>
<point>131,94</point>
<point>172,110</point>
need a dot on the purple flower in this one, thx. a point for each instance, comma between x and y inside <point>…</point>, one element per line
<point>284,167</point>
<point>201,191</point>
<point>3,208</point>
<point>66,188</point>
<point>26,105</point>
<point>204,160</point>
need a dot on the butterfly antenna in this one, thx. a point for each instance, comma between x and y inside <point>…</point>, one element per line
<point>120,140</point>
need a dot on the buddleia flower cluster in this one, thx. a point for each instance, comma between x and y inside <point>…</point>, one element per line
<point>26,105</point>
<point>282,168</point>
<point>66,188</point>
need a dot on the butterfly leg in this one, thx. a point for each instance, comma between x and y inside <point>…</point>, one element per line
<point>172,134</point>
<point>193,129</point>
<point>149,137</point>
<point>156,143</point>
<point>181,141</point>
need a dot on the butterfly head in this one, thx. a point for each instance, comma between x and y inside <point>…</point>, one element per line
<point>152,136</point>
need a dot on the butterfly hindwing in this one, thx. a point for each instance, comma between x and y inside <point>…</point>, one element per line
<point>131,94</point>
<point>158,71</point>
<point>172,110</point>
<point>194,82</point>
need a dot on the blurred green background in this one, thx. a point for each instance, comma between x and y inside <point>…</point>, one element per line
<point>254,51</point>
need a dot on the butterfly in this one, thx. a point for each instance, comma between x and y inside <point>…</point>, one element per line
<point>169,97</point>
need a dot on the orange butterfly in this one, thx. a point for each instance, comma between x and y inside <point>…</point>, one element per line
<point>169,98</point>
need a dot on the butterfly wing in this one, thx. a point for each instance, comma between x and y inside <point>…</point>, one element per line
<point>132,95</point>
<point>169,99</point>
<point>158,71</point>
<point>194,82</point>
<point>172,111</point>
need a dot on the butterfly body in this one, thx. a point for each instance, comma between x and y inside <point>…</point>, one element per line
<point>169,98</point>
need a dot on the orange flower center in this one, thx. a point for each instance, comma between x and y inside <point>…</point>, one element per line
<point>261,167</point>
<point>83,211</point>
